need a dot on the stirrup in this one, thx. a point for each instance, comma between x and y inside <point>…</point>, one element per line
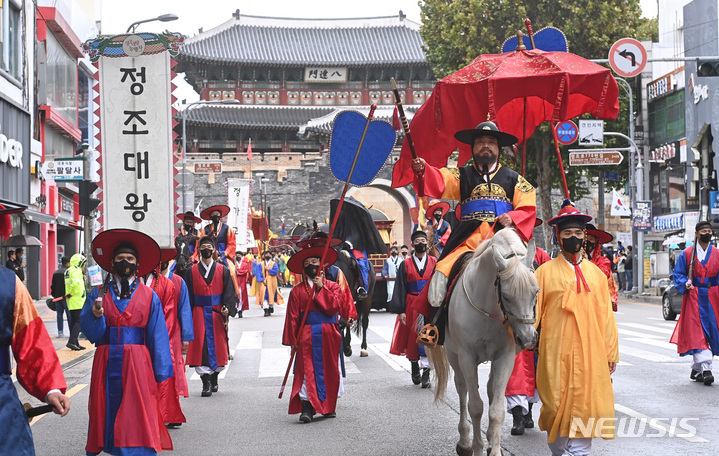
<point>428,336</point>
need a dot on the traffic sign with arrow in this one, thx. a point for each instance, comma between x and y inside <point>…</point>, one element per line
<point>627,57</point>
<point>595,157</point>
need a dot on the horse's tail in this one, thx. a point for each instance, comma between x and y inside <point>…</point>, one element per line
<point>438,357</point>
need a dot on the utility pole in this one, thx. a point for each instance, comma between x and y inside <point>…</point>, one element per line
<point>87,229</point>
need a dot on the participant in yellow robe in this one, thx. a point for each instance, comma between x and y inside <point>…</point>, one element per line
<point>578,345</point>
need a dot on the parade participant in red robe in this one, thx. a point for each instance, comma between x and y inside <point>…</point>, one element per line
<point>212,297</point>
<point>413,275</point>
<point>317,381</point>
<point>180,328</point>
<point>243,269</point>
<point>593,248</point>
<point>697,331</point>
<point>125,321</point>
<point>23,332</point>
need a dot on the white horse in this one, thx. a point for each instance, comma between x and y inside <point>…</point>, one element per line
<point>491,313</point>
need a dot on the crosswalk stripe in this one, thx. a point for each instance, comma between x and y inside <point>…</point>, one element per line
<point>647,355</point>
<point>653,342</point>
<point>385,332</point>
<point>273,362</point>
<point>250,340</point>
<point>398,363</point>
<point>628,332</point>
<point>648,328</point>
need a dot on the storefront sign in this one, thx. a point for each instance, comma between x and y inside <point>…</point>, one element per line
<point>671,222</point>
<point>14,154</point>
<point>642,216</point>
<point>659,87</point>
<point>136,124</point>
<point>11,152</point>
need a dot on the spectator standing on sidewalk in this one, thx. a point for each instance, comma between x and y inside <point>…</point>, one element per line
<point>20,271</point>
<point>57,290</point>
<point>629,268</point>
<point>621,274</point>
<point>10,263</point>
<point>75,297</point>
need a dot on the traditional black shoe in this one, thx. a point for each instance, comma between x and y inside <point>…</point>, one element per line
<point>425,378</point>
<point>330,415</point>
<point>80,347</point>
<point>272,309</point>
<point>518,421</point>
<point>528,421</point>
<point>416,378</point>
<point>173,425</point>
<point>267,312</point>
<point>239,314</point>
<point>73,347</point>
<point>307,412</point>
<point>213,382</point>
<point>699,377</point>
<point>206,386</point>
<point>694,374</point>
<point>707,377</point>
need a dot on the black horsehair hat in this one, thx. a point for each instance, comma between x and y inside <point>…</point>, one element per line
<point>206,240</point>
<point>487,128</point>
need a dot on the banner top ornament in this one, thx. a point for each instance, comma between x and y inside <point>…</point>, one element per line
<point>133,45</point>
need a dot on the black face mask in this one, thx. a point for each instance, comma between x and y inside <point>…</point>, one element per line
<point>705,238</point>
<point>164,265</point>
<point>572,244</point>
<point>420,248</point>
<point>215,219</point>
<point>311,270</point>
<point>206,253</point>
<point>394,253</point>
<point>188,226</point>
<point>589,247</point>
<point>268,258</point>
<point>124,268</point>
<point>438,217</point>
<point>404,254</point>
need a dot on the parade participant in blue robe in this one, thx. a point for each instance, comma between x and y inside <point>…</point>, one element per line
<point>125,321</point>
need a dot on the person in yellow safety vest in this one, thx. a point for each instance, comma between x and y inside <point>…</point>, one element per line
<point>75,294</point>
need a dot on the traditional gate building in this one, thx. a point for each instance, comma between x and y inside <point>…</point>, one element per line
<point>279,83</point>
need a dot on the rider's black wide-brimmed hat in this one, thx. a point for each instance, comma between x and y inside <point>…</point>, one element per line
<point>487,128</point>
<point>221,208</point>
<point>189,214</point>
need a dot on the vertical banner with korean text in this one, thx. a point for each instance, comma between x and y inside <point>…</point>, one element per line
<point>238,199</point>
<point>135,113</point>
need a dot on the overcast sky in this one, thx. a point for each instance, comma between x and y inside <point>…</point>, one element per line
<point>117,15</point>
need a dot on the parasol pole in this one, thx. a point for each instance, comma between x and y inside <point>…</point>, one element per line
<point>528,23</point>
<point>559,157</point>
<point>327,246</point>
<point>405,127</point>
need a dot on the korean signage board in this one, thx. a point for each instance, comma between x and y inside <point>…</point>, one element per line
<point>14,154</point>
<point>642,216</point>
<point>136,125</point>
<point>207,167</point>
<point>64,169</point>
<point>326,74</point>
<point>238,199</point>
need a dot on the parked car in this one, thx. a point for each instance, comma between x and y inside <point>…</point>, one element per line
<point>671,303</point>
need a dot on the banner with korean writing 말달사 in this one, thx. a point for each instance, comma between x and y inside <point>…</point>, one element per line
<point>238,199</point>
<point>136,131</point>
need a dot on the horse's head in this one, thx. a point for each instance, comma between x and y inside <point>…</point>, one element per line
<point>183,255</point>
<point>517,287</point>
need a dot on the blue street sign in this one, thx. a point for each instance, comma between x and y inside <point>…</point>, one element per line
<point>611,176</point>
<point>567,132</point>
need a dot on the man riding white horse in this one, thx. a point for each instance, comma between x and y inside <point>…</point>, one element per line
<point>489,194</point>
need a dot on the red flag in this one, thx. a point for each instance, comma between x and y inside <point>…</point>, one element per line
<point>249,151</point>
<point>396,124</point>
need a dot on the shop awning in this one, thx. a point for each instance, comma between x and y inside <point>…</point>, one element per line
<point>38,217</point>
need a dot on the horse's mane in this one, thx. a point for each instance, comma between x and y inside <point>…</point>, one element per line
<point>508,242</point>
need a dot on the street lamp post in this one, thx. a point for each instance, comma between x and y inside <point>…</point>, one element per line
<point>163,18</point>
<point>184,141</point>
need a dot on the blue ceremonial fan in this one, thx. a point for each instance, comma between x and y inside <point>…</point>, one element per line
<point>548,39</point>
<point>377,138</point>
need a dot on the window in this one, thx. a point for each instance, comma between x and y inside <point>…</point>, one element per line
<point>62,80</point>
<point>11,38</point>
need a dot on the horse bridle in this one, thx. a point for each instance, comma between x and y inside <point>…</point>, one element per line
<point>507,314</point>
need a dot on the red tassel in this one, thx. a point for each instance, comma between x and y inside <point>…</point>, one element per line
<point>396,124</point>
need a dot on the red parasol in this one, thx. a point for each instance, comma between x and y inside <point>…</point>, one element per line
<point>517,90</point>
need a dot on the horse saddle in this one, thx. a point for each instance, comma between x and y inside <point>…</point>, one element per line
<point>430,334</point>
